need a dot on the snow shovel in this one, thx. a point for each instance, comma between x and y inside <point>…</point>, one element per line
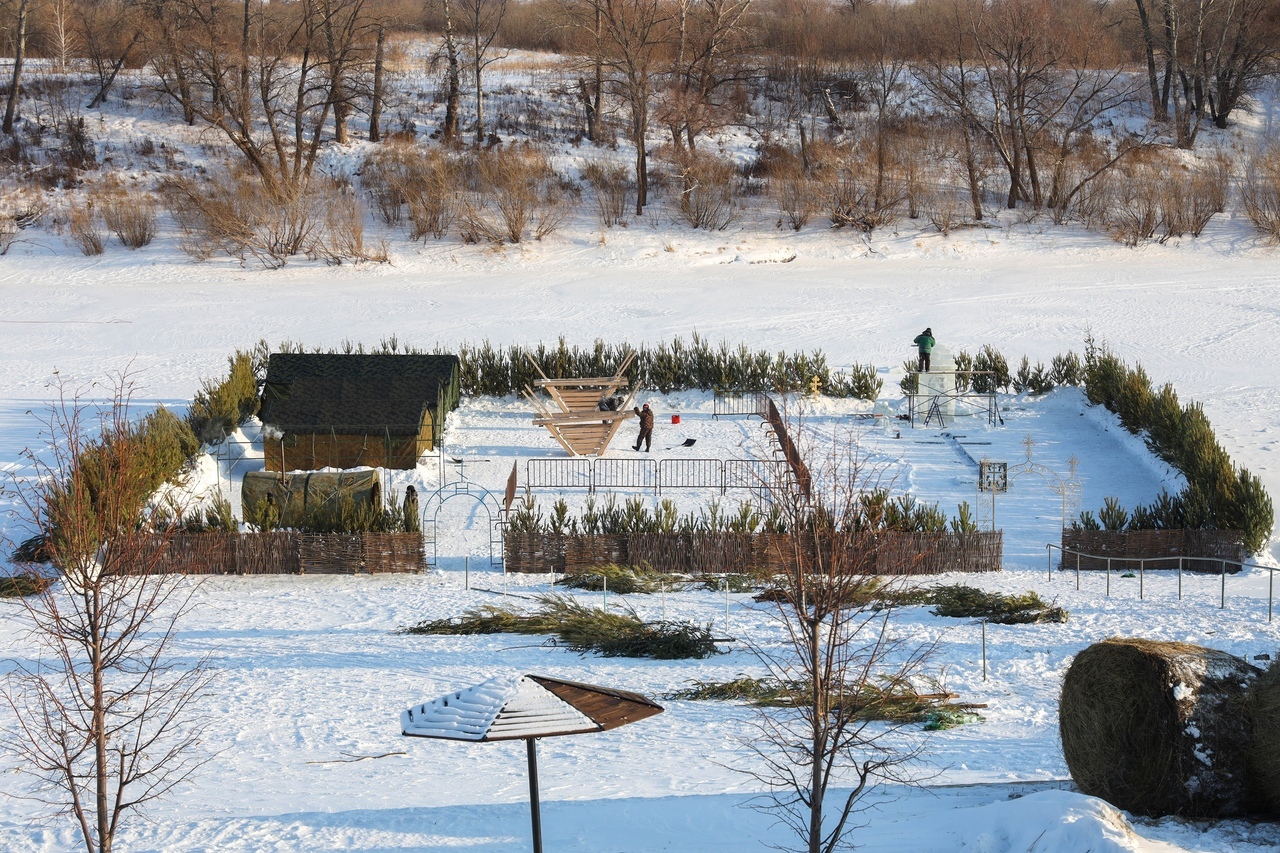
<point>688,442</point>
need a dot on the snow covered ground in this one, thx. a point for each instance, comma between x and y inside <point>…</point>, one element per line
<point>311,671</point>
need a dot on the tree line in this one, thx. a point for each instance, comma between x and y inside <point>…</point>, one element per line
<point>1021,83</point>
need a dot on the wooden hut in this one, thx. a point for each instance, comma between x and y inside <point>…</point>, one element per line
<point>345,411</point>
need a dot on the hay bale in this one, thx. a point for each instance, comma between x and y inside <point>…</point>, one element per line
<point>1265,754</point>
<point>1158,728</point>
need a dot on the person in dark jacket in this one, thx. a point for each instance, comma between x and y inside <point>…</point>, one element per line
<point>646,428</point>
<point>412,522</point>
<point>924,345</point>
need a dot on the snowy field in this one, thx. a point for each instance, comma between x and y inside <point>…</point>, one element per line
<point>311,674</point>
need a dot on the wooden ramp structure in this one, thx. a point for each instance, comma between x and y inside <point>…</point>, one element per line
<point>574,417</point>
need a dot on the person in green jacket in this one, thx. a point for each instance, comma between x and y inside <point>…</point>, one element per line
<point>924,343</point>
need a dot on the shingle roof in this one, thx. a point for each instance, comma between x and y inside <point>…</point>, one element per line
<point>307,392</point>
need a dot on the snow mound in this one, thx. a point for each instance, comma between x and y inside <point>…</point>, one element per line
<point>1058,821</point>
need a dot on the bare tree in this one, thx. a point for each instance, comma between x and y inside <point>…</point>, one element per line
<point>452,73</point>
<point>268,81</point>
<point>481,22</point>
<point>101,707</point>
<point>634,36</point>
<point>19,56</point>
<point>841,657</point>
<point>949,75</point>
<point>711,53</point>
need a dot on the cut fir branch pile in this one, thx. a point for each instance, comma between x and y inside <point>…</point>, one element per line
<point>624,580</point>
<point>953,600</point>
<point>893,700</point>
<point>20,586</point>
<point>583,629</point>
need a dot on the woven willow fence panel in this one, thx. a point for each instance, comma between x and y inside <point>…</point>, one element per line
<point>699,553</point>
<point>1126,547</point>
<point>290,553</point>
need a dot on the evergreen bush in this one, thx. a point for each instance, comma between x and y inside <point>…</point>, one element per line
<point>1219,495</point>
<point>219,407</point>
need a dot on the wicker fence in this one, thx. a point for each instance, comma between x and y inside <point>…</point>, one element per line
<point>1126,547</point>
<point>290,553</point>
<point>697,553</point>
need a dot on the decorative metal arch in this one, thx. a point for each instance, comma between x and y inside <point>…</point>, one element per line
<point>1068,488</point>
<point>478,495</point>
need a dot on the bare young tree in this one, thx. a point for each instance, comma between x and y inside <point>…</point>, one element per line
<point>841,657</point>
<point>101,709</point>
<point>481,21</point>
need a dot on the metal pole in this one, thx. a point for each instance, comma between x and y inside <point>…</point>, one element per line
<point>1077,571</point>
<point>1223,572</point>
<point>1048,549</point>
<point>1142,578</point>
<point>535,813</point>
<point>1179,578</point>
<point>1271,588</point>
<point>1108,577</point>
<point>984,649</point>
<point>725,581</point>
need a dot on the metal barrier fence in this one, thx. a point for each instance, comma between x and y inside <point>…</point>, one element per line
<point>738,403</point>
<point>656,475</point>
<point>624,474</point>
<point>767,474</point>
<point>691,474</point>
<point>1142,571</point>
<point>558,473</point>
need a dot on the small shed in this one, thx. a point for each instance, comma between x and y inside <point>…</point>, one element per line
<point>345,411</point>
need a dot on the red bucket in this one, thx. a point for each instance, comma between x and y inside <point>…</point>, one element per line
<point>675,419</point>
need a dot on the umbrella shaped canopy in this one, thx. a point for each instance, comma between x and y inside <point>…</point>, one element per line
<point>530,706</point>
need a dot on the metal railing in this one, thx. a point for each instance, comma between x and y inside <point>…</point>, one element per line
<point>738,403</point>
<point>1182,561</point>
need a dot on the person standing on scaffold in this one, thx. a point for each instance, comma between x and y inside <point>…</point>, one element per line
<point>924,344</point>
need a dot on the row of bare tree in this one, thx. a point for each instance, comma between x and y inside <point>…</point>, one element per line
<point>1026,79</point>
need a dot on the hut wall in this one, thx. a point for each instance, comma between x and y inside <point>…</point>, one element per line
<point>1126,547</point>
<point>697,553</point>
<point>312,451</point>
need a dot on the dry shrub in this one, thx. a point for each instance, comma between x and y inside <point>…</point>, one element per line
<point>611,185</point>
<point>709,194</point>
<point>945,209</point>
<point>406,178</point>
<point>851,200</point>
<point>129,214</point>
<point>1260,191</point>
<point>1159,198</point>
<point>8,233</point>
<point>797,197</point>
<point>517,193</point>
<point>1158,728</point>
<point>1265,754</point>
<point>343,238</point>
<point>86,229</point>
<point>235,213</point>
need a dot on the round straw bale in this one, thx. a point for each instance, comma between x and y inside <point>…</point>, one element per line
<point>1158,728</point>
<point>1265,755</point>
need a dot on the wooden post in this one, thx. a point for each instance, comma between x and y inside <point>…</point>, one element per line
<point>535,812</point>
